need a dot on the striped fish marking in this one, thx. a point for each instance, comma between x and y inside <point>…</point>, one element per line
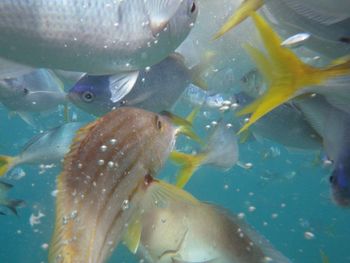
<point>99,187</point>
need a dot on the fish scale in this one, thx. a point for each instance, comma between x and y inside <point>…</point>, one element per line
<point>94,202</point>
<point>66,35</point>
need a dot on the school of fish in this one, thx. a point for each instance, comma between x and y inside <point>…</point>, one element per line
<point>127,64</point>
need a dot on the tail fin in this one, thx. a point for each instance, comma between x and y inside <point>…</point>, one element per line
<point>286,75</point>
<point>189,164</point>
<point>13,204</point>
<point>241,14</point>
<point>6,163</point>
<point>185,126</point>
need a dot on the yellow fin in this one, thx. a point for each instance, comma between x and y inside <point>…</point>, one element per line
<point>185,127</point>
<point>324,257</point>
<point>245,136</point>
<point>6,163</point>
<point>132,236</point>
<point>189,164</point>
<point>163,191</point>
<point>286,75</point>
<point>241,14</point>
<point>193,114</point>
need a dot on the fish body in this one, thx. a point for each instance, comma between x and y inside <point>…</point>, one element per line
<point>45,148</point>
<point>4,201</point>
<point>98,190</point>
<point>286,125</point>
<point>155,89</point>
<point>295,40</point>
<point>176,227</point>
<point>333,125</point>
<point>129,35</point>
<point>199,97</point>
<point>327,22</point>
<point>36,91</point>
<point>221,150</point>
<point>285,74</point>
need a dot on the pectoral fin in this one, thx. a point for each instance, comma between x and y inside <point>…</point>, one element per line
<point>132,236</point>
<point>121,84</point>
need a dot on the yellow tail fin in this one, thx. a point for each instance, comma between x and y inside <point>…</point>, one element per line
<point>241,14</point>
<point>6,163</point>
<point>286,75</point>
<point>189,164</point>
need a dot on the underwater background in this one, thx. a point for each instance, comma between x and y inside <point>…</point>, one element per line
<point>284,196</point>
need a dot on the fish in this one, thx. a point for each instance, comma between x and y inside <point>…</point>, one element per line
<point>11,204</point>
<point>286,125</point>
<point>45,148</point>
<point>177,227</point>
<point>243,11</point>
<point>286,75</point>
<point>295,40</point>
<point>168,79</point>
<point>221,150</point>
<point>252,83</point>
<point>333,125</point>
<point>36,91</point>
<point>327,22</point>
<point>203,98</point>
<point>130,35</point>
<point>103,174</point>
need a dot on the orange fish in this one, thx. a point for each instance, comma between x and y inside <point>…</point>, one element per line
<point>99,187</point>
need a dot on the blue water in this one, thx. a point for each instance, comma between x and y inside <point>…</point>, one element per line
<point>289,191</point>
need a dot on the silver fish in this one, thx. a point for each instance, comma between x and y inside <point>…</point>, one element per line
<point>155,89</point>
<point>4,201</point>
<point>333,125</point>
<point>285,125</point>
<point>328,23</point>
<point>176,227</point>
<point>199,97</point>
<point>37,91</point>
<point>295,40</point>
<point>129,35</point>
<point>45,148</point>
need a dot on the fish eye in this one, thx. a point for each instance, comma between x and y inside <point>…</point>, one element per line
<point>158,123</point>
<point>88,96</point>
<point>193,8</point>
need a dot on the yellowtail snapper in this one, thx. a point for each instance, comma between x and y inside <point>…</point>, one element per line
<point>286,75</point>
<point>46,148</point>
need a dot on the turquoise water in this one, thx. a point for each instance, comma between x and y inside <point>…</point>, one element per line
<point>289,191</point>
<point>284,196</point>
